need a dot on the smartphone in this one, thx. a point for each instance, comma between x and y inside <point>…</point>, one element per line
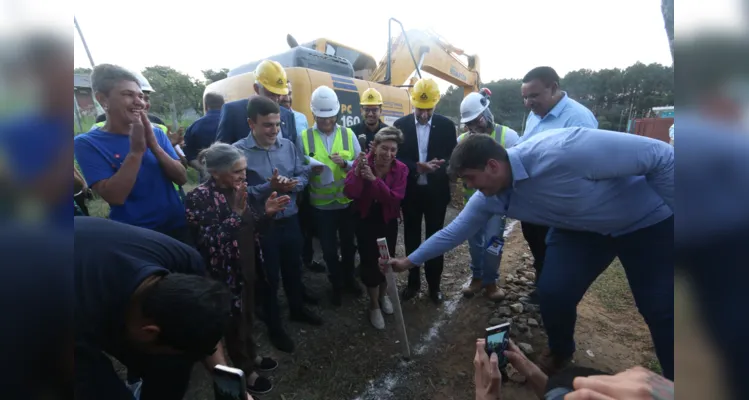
<point>229,383</point>
<point>497,341</point>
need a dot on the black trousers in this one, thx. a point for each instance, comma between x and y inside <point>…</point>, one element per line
<point>420,204</point>
<point>535,235</point>
<point>307,223</point>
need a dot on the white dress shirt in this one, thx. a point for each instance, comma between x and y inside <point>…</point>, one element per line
<point>422,135</point>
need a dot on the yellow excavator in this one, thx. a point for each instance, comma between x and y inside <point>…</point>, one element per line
<point>350,72</point>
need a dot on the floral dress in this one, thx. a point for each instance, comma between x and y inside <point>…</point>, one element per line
<point>220,233</point>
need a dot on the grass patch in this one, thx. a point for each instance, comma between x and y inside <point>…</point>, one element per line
<point>653,365</point>
<point>612,289</point>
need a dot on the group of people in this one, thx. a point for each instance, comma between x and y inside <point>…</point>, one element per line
<point>168,276</point>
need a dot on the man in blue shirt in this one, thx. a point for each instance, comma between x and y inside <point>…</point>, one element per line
<point>604,194</point>
<point>202,133</point>
<point>549,108</point>
<point>276,165</point>
<point>128,162</point>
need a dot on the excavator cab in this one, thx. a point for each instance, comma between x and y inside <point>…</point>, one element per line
<point>303,57</point>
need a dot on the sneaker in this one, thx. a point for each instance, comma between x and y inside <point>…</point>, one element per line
<point>386,305</point>
<point>473,289</point>
<point>493,292</point>
<point>375,317</point>
<point>267,364</point>
<point>262,385</point>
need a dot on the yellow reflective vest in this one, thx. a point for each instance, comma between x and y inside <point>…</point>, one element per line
<point>314,147</point>
<point>467,193</point>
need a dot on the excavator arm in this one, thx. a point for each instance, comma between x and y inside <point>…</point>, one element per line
<point>425,51</point>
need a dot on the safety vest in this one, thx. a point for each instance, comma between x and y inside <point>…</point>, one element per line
<point>314,147</point>
<point>467,192</point>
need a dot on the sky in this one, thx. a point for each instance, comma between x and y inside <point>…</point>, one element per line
<point>509,36</point>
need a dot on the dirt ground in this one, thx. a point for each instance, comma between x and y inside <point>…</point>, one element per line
<point>348,359</point>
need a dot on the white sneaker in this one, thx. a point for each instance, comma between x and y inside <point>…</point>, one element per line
<point>375,317</point>
<point>386,305</point>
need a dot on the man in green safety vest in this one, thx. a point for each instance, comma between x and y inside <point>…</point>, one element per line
<point>485,257</point>
<point>331,149</point>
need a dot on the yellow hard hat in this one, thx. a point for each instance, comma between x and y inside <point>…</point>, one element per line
<point>371,97</point>
<point>425,94</point>
<point>272,76</point>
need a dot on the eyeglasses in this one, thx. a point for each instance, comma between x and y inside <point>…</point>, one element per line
<point>371,111</point>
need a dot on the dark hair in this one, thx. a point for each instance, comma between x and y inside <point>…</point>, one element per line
<point>546,75</point>
<point>474,152</point>
<point>101,118</point>
<point>213,101</point>
<point>192,312</point>
<point>260,105</point>
<point>105,76</point>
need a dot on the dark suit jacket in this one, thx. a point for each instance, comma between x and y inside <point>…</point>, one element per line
<point>233,126</point>
<point>442,141</point>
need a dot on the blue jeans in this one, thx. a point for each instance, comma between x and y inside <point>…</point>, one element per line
<point>487,272</point>
<point>575,259</point>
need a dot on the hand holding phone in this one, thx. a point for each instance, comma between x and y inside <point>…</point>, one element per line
<point>229,383</point>
<point>497,341</point>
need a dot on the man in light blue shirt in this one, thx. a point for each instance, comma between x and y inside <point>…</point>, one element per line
<point>604,194</point>
<point>275,164</point>
<point>550,108</point>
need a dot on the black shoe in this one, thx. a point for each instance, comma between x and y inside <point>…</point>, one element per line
<point>315,266</point>
<point>408,293</point>
<point>309,299</point>
<point>353,287</point>
<point>267,364</point>
<point>262,385</point>
<point>336,297</point>
<point>305,316</point>
<point>436,296</point>
<point>280,340</point>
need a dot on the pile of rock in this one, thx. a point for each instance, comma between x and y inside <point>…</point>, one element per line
<point>516,306</point>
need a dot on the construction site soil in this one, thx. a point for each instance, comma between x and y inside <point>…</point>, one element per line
<point>347,359</point>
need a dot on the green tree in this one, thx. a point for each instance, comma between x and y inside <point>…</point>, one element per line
<point>175,92</point>
<point>614,95</point>
<point>82,70</point>
<point>214,76</point>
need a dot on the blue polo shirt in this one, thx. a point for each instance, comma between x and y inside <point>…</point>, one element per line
<point>201,134</point>
<point>153,203</point>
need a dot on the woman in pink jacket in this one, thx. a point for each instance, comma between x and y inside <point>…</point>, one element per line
<point>377,187</point>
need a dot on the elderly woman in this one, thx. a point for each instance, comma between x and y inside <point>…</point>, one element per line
<point>224,224</point>
<point>377,184</point>
<point>128,162</point>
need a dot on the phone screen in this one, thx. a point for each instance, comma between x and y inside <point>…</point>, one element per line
<point>497,340</point>
<point>228,385</point>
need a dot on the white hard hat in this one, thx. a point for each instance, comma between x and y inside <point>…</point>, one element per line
<point>324,102</point>
<point>143,82</point>
<point>472,106</point>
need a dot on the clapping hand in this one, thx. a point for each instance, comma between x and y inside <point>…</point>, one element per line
<point>276,203</point>
<point>366,172</point>
<point>239,201</point>
<point>338,160</point>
